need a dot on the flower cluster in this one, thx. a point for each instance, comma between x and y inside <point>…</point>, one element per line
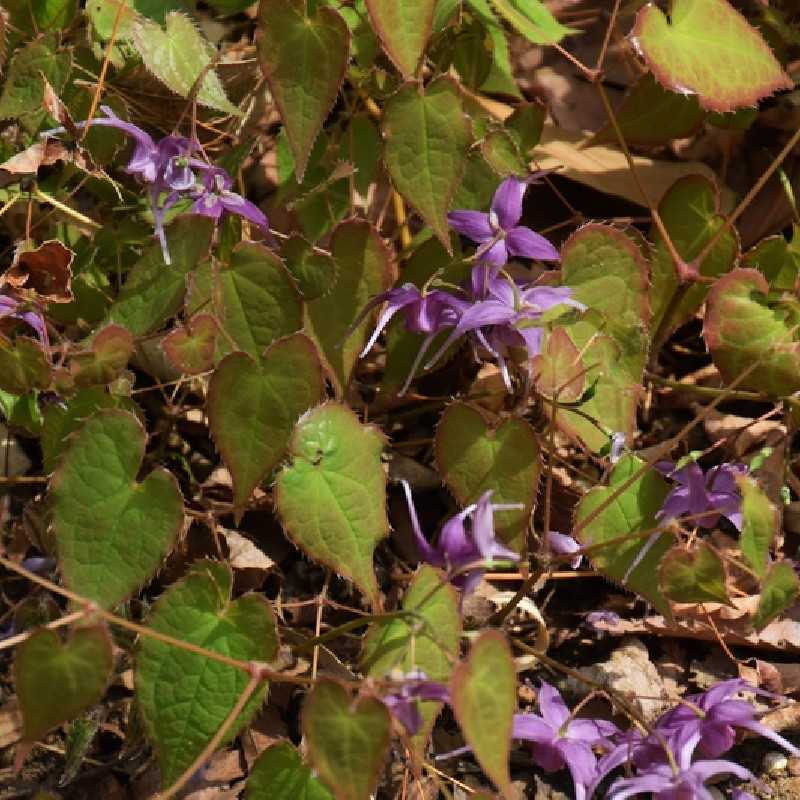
<point>494,312</point>
<point>173,170</point>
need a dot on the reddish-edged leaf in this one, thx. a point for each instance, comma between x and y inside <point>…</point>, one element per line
<point>191,348</point>
<point>109,354</point>
<point>404,29</point>
<point>559,368</point>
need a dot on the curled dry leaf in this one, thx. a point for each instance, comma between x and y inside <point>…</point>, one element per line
<point>45,271</point>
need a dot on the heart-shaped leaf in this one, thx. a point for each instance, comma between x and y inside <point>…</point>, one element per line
<point>404,29</point>
<point>626,546</point>
<point>347,740</point>
<point>473,456</point>
<point>693,576</point>
<point>178,56</point>
<point>708,48</point>
<point>280,774</point>
<point>153,292</point>
<point>484,698</point>
<point>365,268</point>
<point>58,680</point>
<point>760,523</point>
<point>747,334</point>
<point>183,697</point>
<point>110,351</point>
<point>559,368</point>
<point>316,273</point>
<point>427,136</point>
<point>779,590</point>
<point>651,116</point>
<point>23,365</point>
<point>191,348</point>
<point>691,214</point>
<point>304,59</point>
<point>331,497</point>
<point>112,532</point>
<point>428,642</point>
<point>253,407</point>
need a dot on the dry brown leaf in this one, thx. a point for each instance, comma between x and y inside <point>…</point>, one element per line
<point>10,723</point>
<point>244,554</point>
<point>45,270</point>
<point>40,154</point>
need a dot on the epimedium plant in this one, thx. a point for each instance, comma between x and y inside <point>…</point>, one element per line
<point>187,354</point>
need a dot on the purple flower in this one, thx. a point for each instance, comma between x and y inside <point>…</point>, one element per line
<point>403,704</point>
<point>12,308</point>
<point>461,545</point>
<point>215,198</point>
<point>562,545</point>
<point>498,233</point>
<point>597,618</point>
<point>562,740</point>
<point>706,497</point>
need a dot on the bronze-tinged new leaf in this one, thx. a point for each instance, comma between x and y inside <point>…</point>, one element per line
<point>693,576</point>
<point>708,48</point>
<point>57,680</point>
<point>111,349</point>
<point>347,739</point>
<point>484,698</point>
<point>23,365</point>
<point>304,60</point>
<point>404,29</point>
<point>191,348</point>
<point>559,368</point>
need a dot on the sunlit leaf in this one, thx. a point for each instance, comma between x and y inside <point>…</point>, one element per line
<point>184,697</point>
<point>693,576</point>
<point>404,29</point>
<point>779,591</point>
<point>777,259</point>
<point>760,523</point>
<point>280,774</point>
<point>533,20</point>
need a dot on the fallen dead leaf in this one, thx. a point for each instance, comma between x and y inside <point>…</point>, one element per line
<point>10,723</point>
<point>45,270</point>
<point>244,554</point>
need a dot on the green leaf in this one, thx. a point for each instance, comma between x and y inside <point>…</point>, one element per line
<point>98,504</point>
<point>103,13</point>
<point>526,125</point>
<point>231,6</point>
<point>632,511</point>
<point>111,348</point>
<point>23,89</point>
<point>501,78</point>
<point>403,29</point>
<point>22,411</point>
<point>183,697</point>
<point>253,407</point>
<point>40,16</point>
<point>777,259</point>
<point>58,680</point>
<point>473,456</point>
<point>779,591</point>
<point>708,48</point>
<point>260,302</point>
<point>23,365</point>
<point>153,291</point>
<point>280,774</point>
<point>178,56</point>
<point>472,54</point>
<point>559,369</point>
<point>744,332</point>
<point>315,273</point>
<point>191,348</point>
<point>651,116</point>
<point>760,523</point>
<point>365,268</point>
<point>428,642</point>
<point>533,20</point>
<point>331,497</point>
<point>427,136</point>
<point>304,59</point>
<point>347,740</point>
<point>690,212</point>
<point>502,154</point>
<point>484,698</point>
<point>361,146</point>
<point>693,576</point>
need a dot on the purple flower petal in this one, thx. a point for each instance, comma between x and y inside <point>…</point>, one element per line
<point>472,224</point>
<point>496,254</point>
<point>525,243</point>
<point>561,544</point>
<point>426,551</point>
<point>554,709</point>
<point>507,202</point>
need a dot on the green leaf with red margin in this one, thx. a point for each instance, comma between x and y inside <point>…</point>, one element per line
<point>280,774</point>
<point>708,48</point>
<point>97,504</point>
<point>474,455</point>
<point>190,348</point>
<point>650,116</point>
<point>259,300</point>
<point>57,680</point>
<point>403,29</point>
<point>426,139</point>
<point>428,642</point>
<point>304,60</point>
<point>558,369</point>
<point>347,740</point>
<point>365,268</point>
<point>693,576</point>
<point>779,591</point>
<point>747,334</point>
<point>623,535</point>
<point>331,496</point>
<point>760,523</point>
<point>111,349</point>
<point>253,407</point>
<point>484,699</point>
<point>690,212</point>
<point>23,365</point>
<point>183,697</point>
